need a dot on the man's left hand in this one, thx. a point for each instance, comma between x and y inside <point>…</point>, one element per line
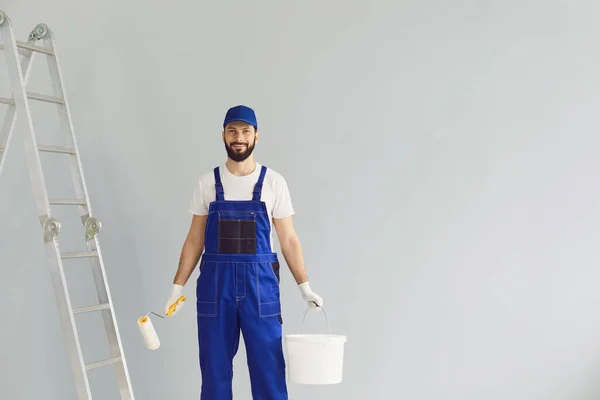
<point>313,299</point>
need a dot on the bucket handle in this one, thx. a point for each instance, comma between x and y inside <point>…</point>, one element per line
<point>327,319</point>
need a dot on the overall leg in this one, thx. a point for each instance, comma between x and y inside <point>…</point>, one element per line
<point>218,331</point>
<point>260,321</point>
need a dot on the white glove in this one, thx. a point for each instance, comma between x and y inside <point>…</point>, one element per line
<point>310,296</point>
<point>175,300</point>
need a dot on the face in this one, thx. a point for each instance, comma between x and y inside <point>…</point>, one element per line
<point>240,139</point>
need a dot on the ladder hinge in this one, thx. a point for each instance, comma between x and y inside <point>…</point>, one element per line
<point>39,32</point>
<point>92,227</point>
<point>51,227</point>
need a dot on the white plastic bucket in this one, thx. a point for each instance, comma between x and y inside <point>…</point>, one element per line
<point>315,359</point>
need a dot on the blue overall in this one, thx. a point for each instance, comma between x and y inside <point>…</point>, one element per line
<point>238,290</point>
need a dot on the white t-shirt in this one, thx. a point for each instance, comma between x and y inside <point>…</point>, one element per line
<point>275,192</point>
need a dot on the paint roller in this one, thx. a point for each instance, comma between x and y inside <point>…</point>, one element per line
<point>147,327</point>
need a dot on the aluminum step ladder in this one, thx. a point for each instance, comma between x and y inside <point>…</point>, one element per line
<point>19,111</point>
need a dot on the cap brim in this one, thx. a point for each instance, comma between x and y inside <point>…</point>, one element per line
<point>253,123</point>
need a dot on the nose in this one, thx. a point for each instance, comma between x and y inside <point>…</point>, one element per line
<point>237,136</point>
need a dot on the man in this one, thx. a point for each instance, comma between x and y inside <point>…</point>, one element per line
<point>235,208</point>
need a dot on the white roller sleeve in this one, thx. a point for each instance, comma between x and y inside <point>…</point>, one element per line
<point>148,332</point>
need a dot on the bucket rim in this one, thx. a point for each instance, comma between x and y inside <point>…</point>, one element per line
<point>300,337</point>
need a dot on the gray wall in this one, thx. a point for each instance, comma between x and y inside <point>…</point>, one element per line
<point>449,220</point>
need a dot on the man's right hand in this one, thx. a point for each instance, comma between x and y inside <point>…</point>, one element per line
<point>175,301</point>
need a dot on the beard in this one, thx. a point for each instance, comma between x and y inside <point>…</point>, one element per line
<point>239,155</point>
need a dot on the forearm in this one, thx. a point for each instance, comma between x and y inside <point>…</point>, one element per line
<point>190,255</point>
<point>292,252</point>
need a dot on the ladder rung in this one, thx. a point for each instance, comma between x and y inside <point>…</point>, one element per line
<point>102,363</point>
<point>43,97</point>
<point>4,100</point>
<point>68,202</point>
<point>25,46</point>
<point>39,49</point>
<point>79,255</point>
<point>34,96</point>
<point>97,307</point>
<point>57,149</point>
<point>23,52</point>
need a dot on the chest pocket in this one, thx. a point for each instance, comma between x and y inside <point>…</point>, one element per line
<point>237,232</point>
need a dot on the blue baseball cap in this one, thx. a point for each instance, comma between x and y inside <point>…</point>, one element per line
<point>240,113</point>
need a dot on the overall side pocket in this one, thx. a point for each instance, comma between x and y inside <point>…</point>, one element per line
<point>207,289</point>
<point>268,289</point>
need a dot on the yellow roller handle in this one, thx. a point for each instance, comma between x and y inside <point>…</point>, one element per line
<point>172,306</point>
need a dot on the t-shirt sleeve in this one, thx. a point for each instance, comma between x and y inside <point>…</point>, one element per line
<point>282,206</point>
<point>197,204</point>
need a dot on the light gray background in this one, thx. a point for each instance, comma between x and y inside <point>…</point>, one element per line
<point>443,163</point>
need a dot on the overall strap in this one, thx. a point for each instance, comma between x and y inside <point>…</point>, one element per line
<point>258,187</point>
<point>219,185</point>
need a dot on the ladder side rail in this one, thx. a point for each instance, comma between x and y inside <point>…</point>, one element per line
<point>64,116</point>
<point>8,126</point>
<point>92,225</point>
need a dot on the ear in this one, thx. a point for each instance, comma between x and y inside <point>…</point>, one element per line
<point>257,136</point>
